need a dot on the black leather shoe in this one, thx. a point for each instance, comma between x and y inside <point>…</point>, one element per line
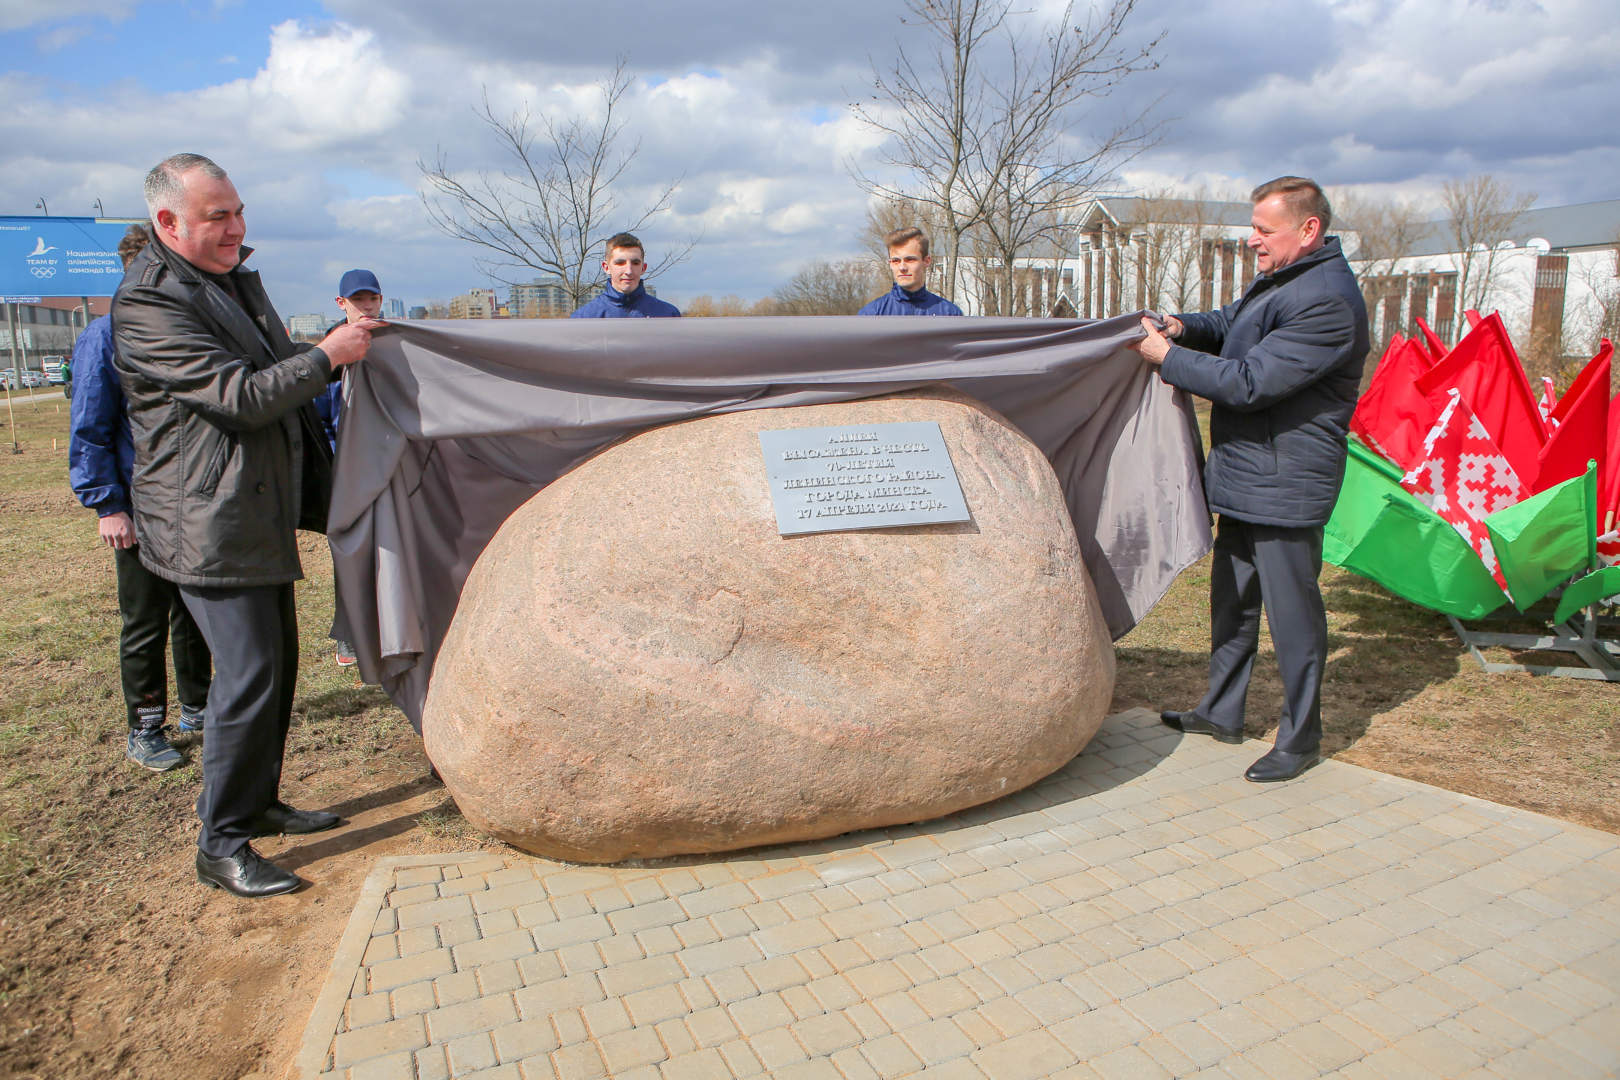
<point>1193,724</point>
<point>1280,765</point>
<point>245,874</point>
<point>279,818</point>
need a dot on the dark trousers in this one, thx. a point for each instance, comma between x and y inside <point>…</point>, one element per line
<point>1280,564</point>
<point>154,615</point>
<point>253,633</point>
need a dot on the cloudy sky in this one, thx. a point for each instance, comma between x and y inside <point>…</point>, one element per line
<point>321,112</point>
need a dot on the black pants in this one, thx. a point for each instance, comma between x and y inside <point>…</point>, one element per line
<point>1280,564</point>
<point>253,633</point>
<point>153,614</point>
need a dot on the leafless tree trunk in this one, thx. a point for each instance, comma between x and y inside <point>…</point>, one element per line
<point>931,109</point>
<point>985,126</point>
<point>1481,212</point>
<point>554,208</point>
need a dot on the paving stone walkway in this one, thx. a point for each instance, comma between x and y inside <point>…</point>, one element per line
<point>1143,912</point>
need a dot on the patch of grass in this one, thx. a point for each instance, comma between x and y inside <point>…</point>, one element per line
<point>83,833</point>
<point>445,826</point>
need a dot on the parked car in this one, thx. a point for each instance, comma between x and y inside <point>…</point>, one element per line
<point>9,379</point>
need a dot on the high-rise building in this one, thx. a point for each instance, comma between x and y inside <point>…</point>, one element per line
<point>393,308</point>
<point>542,298</point>
<point>307,326</point>
<point>474,304</point>
<point>419,312</point>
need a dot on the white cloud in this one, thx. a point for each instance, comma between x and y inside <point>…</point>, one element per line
<point>20,14</point>
<point>62,37</point>
<point>318,88</point>
<point>748,107</point>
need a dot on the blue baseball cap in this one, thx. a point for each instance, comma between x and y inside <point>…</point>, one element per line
<point>358,281</point>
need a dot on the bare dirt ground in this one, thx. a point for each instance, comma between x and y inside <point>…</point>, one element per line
<point>115,962</point>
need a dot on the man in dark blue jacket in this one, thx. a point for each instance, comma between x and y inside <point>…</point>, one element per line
<point>1282,367</point>
<point>909,262</point>
<point>625,296</point>
<point>100,458</point>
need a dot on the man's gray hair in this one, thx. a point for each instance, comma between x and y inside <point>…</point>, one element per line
<point>164,190</point>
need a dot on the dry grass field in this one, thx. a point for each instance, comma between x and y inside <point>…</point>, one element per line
<point>114,962</point>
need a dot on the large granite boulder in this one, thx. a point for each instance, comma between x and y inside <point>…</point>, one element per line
<point>640,665</point>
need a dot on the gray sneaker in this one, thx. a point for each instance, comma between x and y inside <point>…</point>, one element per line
<point>150,750</point>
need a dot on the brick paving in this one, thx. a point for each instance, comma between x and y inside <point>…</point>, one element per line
<point>1144,912</point>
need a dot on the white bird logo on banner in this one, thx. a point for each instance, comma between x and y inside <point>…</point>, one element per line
<point>39,247</point>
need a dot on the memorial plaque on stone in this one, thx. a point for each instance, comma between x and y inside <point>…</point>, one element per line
<point>873,476</point>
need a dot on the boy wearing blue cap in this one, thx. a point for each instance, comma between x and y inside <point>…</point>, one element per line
<point>359,297</point>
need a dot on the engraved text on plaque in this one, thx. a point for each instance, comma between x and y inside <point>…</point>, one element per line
<point>869,476</point>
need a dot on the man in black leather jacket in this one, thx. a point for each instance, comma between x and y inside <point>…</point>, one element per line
<point>1282,367</point>
<point>229,461</point>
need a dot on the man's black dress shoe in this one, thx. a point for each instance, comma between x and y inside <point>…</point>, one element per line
<point>1280,765</point>
<point>279,818</point>
<point>1193,724</point>
<point>245,874</point>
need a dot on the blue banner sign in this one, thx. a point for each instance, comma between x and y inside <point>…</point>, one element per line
<point>60,256</point>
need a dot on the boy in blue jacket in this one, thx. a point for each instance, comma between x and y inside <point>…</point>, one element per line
<point>100,458</point>
<point>625,296</point>
<point>908,265</point>
<point>359,298</point>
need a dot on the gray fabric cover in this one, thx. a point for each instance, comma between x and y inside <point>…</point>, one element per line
<point>450,426</point>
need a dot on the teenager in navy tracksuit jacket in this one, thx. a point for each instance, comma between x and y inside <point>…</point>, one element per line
<point>101,456</point>
<point>625,296</point>
<point>909,262</point>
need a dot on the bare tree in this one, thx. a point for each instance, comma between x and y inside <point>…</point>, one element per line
<point>885,215</point>
<point>1386,230</point>
<point>1595,315</point>
<point>1161,235</point>
<point>983,123</point>
<point>930,110</point>
<point>830,288</point>
<point>1481,213</point>
<point>553,209</point>
<point>1031,173</point>
<point>730,305</point>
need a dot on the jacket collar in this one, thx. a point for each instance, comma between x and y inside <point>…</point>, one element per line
<point>183,269</point>
<point>1329,250</point>
<point>244,328</point>
<point>624,299</point>
<point>917,297</point>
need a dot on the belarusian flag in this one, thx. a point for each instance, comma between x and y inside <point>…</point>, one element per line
<point>1546,539</point>
<point>1486,371</point>
<point>1464,477</point>
<point>1378,530</point>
